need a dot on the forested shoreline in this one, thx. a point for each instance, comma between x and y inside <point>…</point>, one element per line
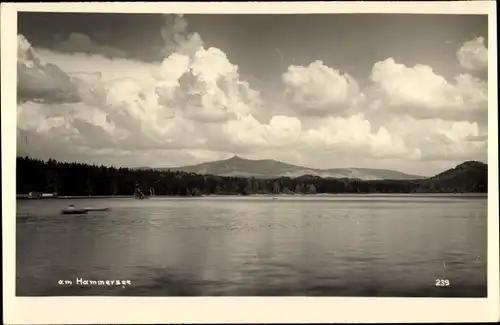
<point>77,179</point>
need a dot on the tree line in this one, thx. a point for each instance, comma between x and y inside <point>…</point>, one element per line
<point>77,179</point>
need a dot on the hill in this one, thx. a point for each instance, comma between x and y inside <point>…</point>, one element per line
<point>269,169</point>
<point>470,176</point>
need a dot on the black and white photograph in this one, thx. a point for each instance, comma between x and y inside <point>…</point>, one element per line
<point>221,154</point>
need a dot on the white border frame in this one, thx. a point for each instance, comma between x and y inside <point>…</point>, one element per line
<point>113,310</point>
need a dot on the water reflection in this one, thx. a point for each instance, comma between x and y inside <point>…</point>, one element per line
<point>377,246</point>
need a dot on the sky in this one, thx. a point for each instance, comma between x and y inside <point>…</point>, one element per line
<point>391,91</point>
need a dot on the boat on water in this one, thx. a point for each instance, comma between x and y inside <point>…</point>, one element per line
<point>72,210</point>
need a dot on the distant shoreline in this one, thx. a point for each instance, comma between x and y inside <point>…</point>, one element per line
<point>64,197</point>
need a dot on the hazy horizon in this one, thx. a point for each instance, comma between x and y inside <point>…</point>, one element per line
<point>382,91</point>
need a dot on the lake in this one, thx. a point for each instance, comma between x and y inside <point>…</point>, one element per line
<point>338,245</point>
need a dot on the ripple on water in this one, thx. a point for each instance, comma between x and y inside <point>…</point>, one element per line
<point>321,247</point>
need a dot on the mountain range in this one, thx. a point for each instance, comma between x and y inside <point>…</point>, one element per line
<point>268,169</point>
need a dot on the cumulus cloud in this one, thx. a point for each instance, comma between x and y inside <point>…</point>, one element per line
<point>194,106</point>
<point>67,125</point>
<point>336,134</point>
<point>247,131</point>
<point>81,43</point>
<point>473,54</point>
<point>441,139</point>
<point>356,133</point>
<point>130,104</point>
<point>176,37</point>
<point>211,90</point>
<point>419,90</point>
<point>320,90</point>
<point>41,81</point>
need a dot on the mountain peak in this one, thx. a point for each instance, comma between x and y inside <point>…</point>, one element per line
<point>269,168</point>
<point>470,163</point>
<point>235,157</point>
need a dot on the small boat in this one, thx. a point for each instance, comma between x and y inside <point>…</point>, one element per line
<point>74,211</point>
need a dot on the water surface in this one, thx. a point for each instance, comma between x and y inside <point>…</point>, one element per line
<point>357,245</point>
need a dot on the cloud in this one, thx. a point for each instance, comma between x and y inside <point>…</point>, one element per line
<point>350,135</point>
<point>419,91</point>
<point>439,139</point>
<point>356,133</point>
<point>129,104</point>
<point>176,37</point>
<point>215,93</point>
<point>203,86</point>
<point>320,90</point>
<point>108,69</point>
<point>70,125</point>
<point>81,43</point>
<point>41,81</point>
<point>282,131</point>
<point>473,55</point>
<point>194,106</point>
